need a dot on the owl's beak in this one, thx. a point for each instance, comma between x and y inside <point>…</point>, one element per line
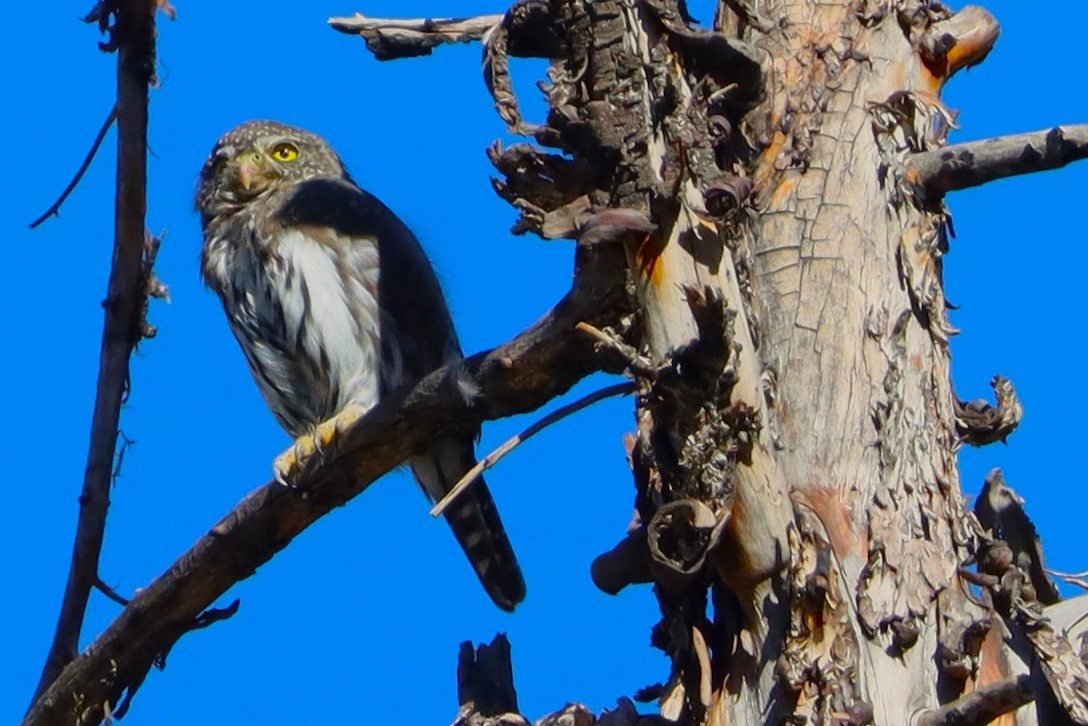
<point>247,173</point>
<point>252,172</point>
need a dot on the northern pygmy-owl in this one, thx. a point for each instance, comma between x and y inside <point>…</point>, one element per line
<point>335,304</point>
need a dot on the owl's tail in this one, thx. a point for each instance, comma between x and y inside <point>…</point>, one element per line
<point>474,520</point>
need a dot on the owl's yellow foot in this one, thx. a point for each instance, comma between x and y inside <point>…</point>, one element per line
<point>310,449</point>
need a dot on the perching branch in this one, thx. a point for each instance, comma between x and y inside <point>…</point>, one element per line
<point>982,705</point>
<point>133,34</point>
<point>54,209</point>
<point>962,166</point>
<point>522,375</point>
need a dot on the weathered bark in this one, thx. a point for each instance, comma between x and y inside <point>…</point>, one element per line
<point>795,458</point>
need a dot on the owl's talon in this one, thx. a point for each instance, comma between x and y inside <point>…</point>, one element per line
<point>324,436</point>
<point>320,442</point>
<point>287,466</point>
<point>279,475</point>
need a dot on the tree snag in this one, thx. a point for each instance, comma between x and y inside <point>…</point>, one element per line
<point>797,428</point>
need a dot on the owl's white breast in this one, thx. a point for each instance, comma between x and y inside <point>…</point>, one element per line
<point>331,310</point>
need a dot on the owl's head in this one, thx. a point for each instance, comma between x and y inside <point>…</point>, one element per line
<point>257,158</point>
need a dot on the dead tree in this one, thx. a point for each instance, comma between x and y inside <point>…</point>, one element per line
<point>759,225</point>
<point>799,508</point>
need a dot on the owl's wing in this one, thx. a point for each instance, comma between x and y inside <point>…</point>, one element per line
<point>416,323</point>
<point>417,336</point>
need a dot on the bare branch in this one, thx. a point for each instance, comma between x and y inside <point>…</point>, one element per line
<point>541,363</point>
<point>620,389</point>
<point>962,166</point>
<point>1076,579</point>
<point>54,209</point>
<point>982,705</point>
<point>134,33</point>
<point>391,38</point>
<point>638,364</point>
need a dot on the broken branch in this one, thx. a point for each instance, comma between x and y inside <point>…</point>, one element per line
<point>532,35</point>
<point>978,423</point>
<point>962,166</point>
<point>389,39</point>
<point>959,42</point>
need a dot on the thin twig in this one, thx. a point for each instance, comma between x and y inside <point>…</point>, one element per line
<point>620,389</point>
<point>119,461</point>
<point>54,210</point>
<point>134,24</point>
<point>1077,579</point>
<point>109,592</point>
<point>637,364</point>
<point>214,615</point>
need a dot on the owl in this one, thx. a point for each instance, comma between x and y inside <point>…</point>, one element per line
<point>335,304</point>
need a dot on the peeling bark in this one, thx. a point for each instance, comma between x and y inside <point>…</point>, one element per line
<point>794,456</point>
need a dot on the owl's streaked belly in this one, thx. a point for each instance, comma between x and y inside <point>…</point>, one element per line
<point>306,315</point>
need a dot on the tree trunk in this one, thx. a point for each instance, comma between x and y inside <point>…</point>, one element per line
<point>795,459</point>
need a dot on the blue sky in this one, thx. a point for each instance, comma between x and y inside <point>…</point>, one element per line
<point>365,611</point>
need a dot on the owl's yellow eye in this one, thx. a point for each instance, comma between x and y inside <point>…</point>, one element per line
<point>285,151</point>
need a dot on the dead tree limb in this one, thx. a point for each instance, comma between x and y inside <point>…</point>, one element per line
<point>982,705</point>
<point>133,35</point>
<point>520,376</point>
<point>390,38</point>
<point>962,166</point>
